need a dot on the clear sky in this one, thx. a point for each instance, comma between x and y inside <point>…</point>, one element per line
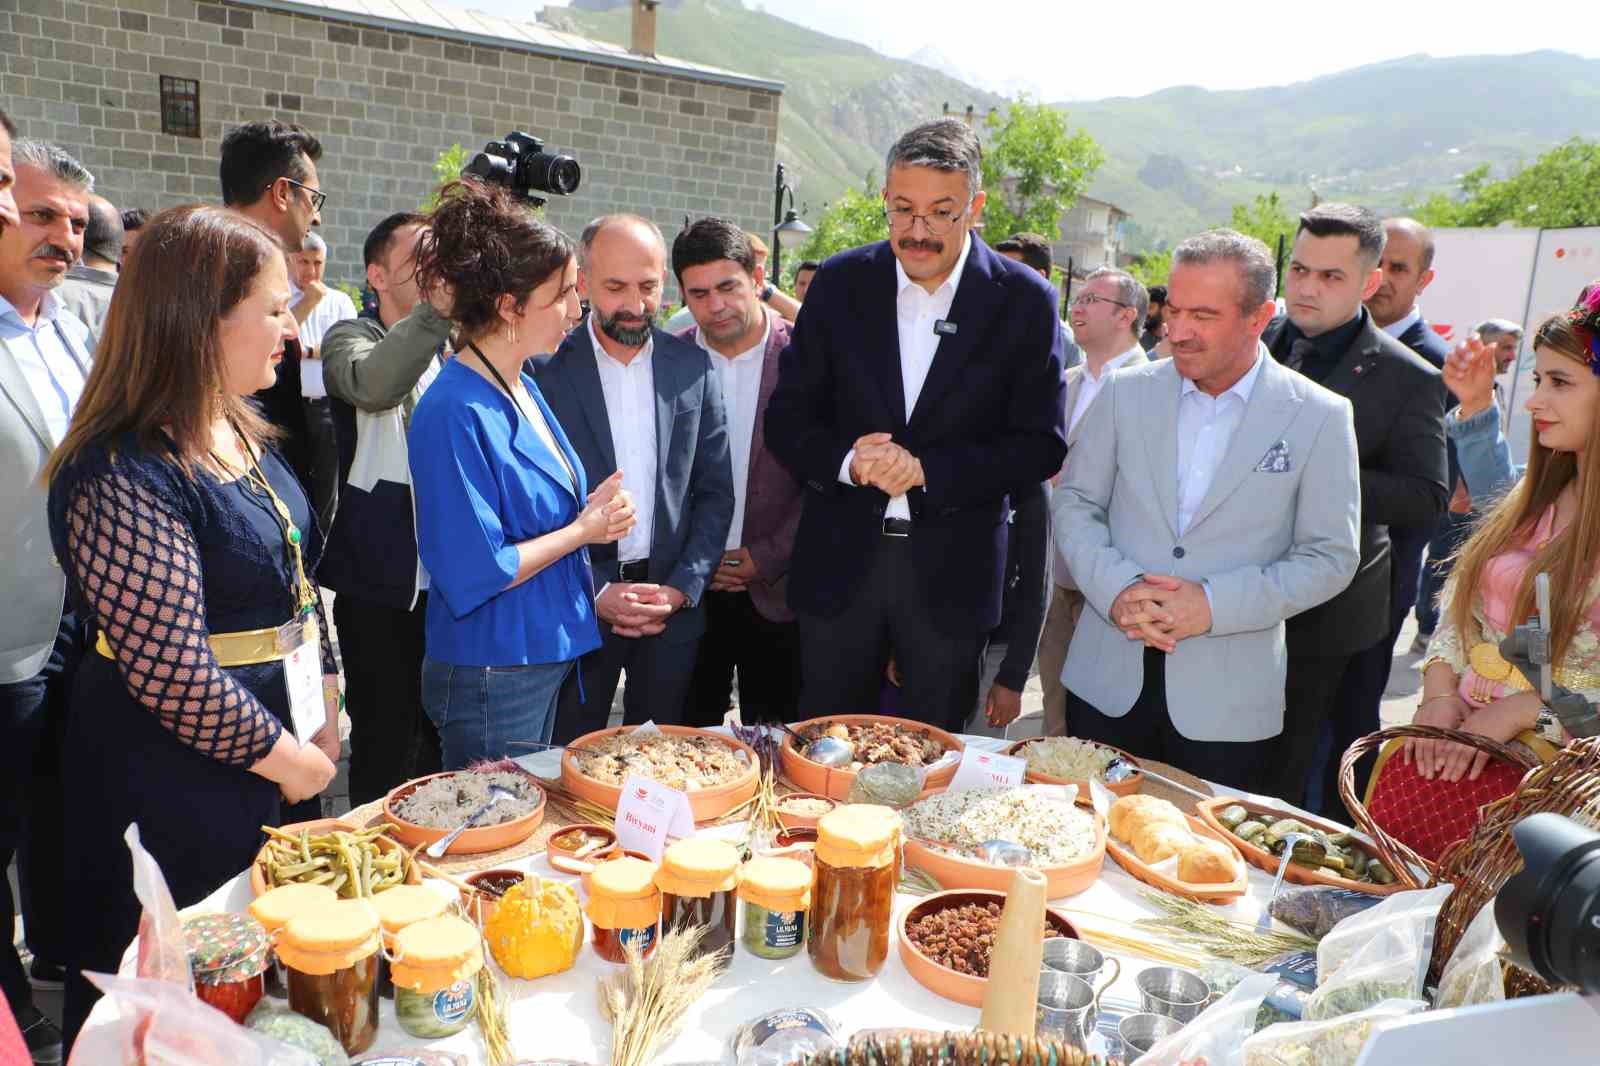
<point>1088,49</point>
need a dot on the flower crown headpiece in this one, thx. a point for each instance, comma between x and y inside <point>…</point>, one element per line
<point>1586,317</point>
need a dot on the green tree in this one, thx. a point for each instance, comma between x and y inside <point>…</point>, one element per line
<point>1265,219</point>
<point>1152,268</point>
<point>854,219</point>
<point>446,168</point>
<point>1034,167</point>
<point>1560,189</point>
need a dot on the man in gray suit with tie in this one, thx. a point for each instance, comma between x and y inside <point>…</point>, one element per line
<point>1221,497</point>
<point>44,361</point>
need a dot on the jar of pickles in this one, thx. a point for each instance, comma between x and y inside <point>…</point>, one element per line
<point>229,956</point>
<point>852,897</point>
<point>775,893</point>
<point>274,908</point>
<point>624,907</point>
<point>697,879</point>
<point>435,968</point>
<point>397,908</point>
<point>331,955</point>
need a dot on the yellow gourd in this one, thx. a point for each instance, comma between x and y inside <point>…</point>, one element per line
<point>536,929</point>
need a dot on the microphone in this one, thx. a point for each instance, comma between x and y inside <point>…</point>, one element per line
<point>944,328</point>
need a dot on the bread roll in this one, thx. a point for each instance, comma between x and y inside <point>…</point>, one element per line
<point>1155,841</point>
<point>1130,812</point>
<point>1206,862</point>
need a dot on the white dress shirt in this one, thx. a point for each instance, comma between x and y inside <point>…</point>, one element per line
<point>630,393</point>
<point>52,373</point>
<point>1395,329</point>
<point>1089,386</point>
<point>334,307</point>
<point>916,311</point>
<point>1206,425</point>
<point>740,378</point>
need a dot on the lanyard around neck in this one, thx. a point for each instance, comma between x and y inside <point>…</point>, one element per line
<point>305,596</point>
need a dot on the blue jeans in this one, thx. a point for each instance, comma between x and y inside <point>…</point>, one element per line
<point>481,712</point>
<point>1453,531</point>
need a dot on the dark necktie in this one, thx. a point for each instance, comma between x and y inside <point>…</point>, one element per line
<point>1299,352</point>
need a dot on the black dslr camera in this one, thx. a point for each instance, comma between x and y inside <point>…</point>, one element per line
<point>521,164</point>
<point>1549,913</point>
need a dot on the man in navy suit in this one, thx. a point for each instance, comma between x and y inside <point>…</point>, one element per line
<point>635,398</point>
<point>922,387</point>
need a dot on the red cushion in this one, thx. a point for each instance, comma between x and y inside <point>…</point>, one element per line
<point>1430,815</point>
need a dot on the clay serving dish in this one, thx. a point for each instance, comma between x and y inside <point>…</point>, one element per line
<point>1121,788</point>
<point>567,860</point>
<point>705,803</point>
<point>797,843</point>
<point>316,827</point>
<point>484,838</point>
<point>956,871</point>
<point>480,904</point>
<point>1219,892</point>
<point>1265,860</point>
<point>802,821</point>
<point>941,980</point>
<point>835,783</point>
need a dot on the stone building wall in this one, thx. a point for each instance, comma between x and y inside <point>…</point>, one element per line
<point>660,141</point>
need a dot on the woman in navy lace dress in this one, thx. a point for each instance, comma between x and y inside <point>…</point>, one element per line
<point>187,541</point>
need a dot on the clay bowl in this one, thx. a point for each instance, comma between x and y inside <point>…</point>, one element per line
<point>1225,892</point>
<point>1295,874</point>
<point>567,860</point>
<point>941,980</point>
<point>1122,788</point>
<point>835,783</point>
<point>316,827</point>
<point>956,871</point>
<point>801,821</point>
<point>479,904</point>
<point>484,838</point>
<point>705,803</point>
<point>797,843</point>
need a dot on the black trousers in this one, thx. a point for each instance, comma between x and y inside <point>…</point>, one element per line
<point>842,658</point>
<point>658,684</point>
<point>1357,711</point>
<point>323,454</point>
<point>1311,694</point>
<point>1147,731</point>
<point>33,716</point>
<point>391,739</point>
<point>765,655</point>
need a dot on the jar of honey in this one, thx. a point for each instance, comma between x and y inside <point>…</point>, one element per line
<point>624,907</point>
<point>852,897</point>
<point>331,955</point>
<point>697,879</point>
<point>274,908</point>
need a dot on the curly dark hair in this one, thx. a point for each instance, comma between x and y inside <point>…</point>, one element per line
<point>483,243</point>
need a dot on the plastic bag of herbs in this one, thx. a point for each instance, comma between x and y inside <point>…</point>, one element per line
<point>1336,1042</point>
<point>1404,921</point>
<point>1376,973</point>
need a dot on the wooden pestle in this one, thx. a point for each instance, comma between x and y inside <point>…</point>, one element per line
<point>1011,996</point>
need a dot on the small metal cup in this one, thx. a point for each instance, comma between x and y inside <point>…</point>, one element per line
<point>1066,1009</point>
<point>1174,993</point>
<point>1063,954</point>
<point>1140,1032</point>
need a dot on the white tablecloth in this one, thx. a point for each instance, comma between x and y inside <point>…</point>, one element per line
<point>559,1016</point>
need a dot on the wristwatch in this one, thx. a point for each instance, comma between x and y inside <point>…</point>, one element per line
<point>767,290</point>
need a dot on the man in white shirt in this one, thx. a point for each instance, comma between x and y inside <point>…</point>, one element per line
<point>1107,317</point>
<point>317,306</point>
<point>44,363</point>
<point>749,627</point>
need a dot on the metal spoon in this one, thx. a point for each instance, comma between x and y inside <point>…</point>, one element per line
<point>1119,770</point>
<point>1003,853</point>
<point>437,849</point>
<point>831,752</point>
<point>1264,923</point>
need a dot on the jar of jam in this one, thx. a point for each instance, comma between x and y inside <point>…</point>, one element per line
<point>435,967</point>
<point>624,907</point>
<point>397,908</point>
<point>273,909</point>
<point>852,897</point>
<point>697,879</point>
<point>775,894</point>
<point>228,954</point>
<point>331,955</point>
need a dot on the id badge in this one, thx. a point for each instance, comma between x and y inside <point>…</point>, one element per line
<point>302,673</point>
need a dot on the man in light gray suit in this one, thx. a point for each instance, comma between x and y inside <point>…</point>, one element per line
<point>44,362</point>
<point>1221,497</point>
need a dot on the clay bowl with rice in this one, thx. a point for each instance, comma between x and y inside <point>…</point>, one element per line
<point>426,809</point>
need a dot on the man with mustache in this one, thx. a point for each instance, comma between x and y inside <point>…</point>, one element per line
<point>922,388</point>
<point>635,398</point>
<point>44,361</point>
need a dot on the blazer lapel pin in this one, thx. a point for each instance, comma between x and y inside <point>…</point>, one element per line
<point>1277,459</point>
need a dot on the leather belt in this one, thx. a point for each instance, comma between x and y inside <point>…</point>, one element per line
<point>897,527</point>
<point>245,648</point>
<point>637,570</point>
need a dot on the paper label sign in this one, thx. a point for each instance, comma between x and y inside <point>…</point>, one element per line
<point>987,769</point>
<point>648,813</point>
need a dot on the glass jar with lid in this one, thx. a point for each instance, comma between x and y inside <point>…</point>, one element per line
<point>273,909</point>
<point>775,892</point>
<point>399,907</point>
<point>624,907</point>
<point>331,955</point>
<point>697,880</point>
<point>852,897</point>
<point>435,968</point>
<point>229,957</point>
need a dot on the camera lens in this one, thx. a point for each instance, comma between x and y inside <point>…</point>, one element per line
<point>1549,913</point>
<point>552,173</point>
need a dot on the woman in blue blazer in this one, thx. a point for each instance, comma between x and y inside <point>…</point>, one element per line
<point>504,514</point>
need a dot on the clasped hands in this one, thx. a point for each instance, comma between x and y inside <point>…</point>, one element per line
<point>1161,610</point>
<point>883,464</point>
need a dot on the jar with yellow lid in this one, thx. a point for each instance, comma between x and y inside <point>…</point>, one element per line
<point>697,879</point>
<point>624,907</point>
<point>273,909</point>
<point>436,963</point>
<point>331,955</point>
<point>776,893</point>
<point>399,907</point>
<point>852,896</point>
